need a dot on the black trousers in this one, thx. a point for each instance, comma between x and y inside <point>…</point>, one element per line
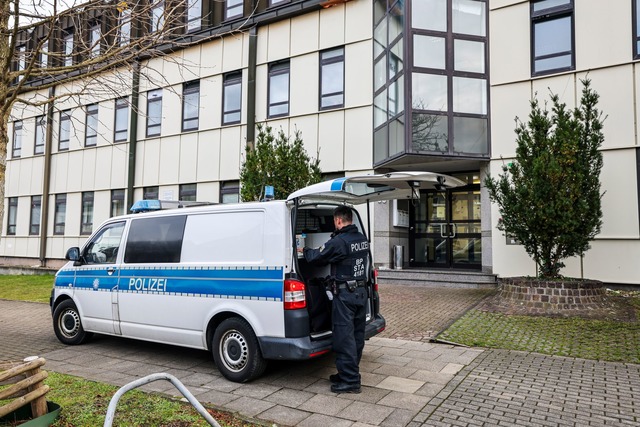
<point>349,318</point>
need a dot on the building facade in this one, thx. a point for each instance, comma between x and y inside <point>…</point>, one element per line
<point>373,86</point>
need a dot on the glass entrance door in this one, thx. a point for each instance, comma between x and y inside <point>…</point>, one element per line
<point>445,229</point>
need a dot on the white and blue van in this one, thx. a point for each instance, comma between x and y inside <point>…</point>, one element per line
<point>222,277</point>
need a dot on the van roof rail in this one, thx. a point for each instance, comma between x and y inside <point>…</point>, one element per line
<point>156,205</point>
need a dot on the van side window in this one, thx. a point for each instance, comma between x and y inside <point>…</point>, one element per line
<point>157,239</point>
<point>103,248</point>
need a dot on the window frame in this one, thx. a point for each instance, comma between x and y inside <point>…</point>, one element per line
<point>157,24</point>
<point>12,216</point>
<point>190,93</point>
<point>91,139</point>
<point>43,55</point>
<point>86,213</point>
<point>635,6</point>
<point>277,69</point>
<point>549,15</point>
<point>188,192</point>
<point>124,22</point>
<point>67,48</point>
<point>157,98</point>
<point>277,2</point>
<point>16,143</point>
<point>231,79</point>
<point>95,39</point>
<point>227,9</point>
<point>41,129</point>
<point>193,15</point>
<point>117,200</point>
<point>324,62</point>
<point>36,206</point>
<point>60,210</point>
<point>63,144</point>
<point>120,105</point>
<point>230,187</point>
<point>151,191</point>
<point>21,60</point>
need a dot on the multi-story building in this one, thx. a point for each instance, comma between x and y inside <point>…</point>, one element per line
<point>376,86</point>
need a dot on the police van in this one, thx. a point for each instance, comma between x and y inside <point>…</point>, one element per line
<point>227,278</point>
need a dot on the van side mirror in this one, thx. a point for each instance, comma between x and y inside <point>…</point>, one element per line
<point>73,254</point>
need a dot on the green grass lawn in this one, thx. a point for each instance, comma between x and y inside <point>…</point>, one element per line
<point>26,288</point>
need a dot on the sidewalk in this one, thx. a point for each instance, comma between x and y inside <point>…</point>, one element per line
<point>405,382</point>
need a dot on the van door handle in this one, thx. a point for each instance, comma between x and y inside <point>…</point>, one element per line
<point>110,271</point>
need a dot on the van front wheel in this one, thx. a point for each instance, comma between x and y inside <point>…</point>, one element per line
<point>67,324</point>
<point>236,351</point>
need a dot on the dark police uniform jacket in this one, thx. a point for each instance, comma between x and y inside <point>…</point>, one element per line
<point>348,253</point>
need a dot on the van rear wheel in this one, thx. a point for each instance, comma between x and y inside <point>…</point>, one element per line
<point>236,351</point>
<point>67,324</point>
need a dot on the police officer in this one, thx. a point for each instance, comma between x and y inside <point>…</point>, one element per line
<point>348,253</point>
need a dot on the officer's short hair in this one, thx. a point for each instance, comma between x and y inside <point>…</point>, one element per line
<point>344,213</point>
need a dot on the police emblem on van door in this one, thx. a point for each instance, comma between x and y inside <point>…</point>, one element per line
<point>96,284</point>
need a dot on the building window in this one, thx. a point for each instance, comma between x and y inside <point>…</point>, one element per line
<point>91,126</point>
<point>124,27</point>
<point>60,214</point>
<point>21,60</point>
<point>233,8</point>
<point>12,216</point>
<point>154,112</point>
<point>157,15</point>
<point>16,149</point>
<point>44,54</point>
<point>117,202</point>
<point>41,133</point>
<point>121,128</point>
<point>34,220</point>
<point>278,89</point>
<point>194,14</point>
<point>230,192</point>
<point>65,130</point>
<point>151,193</point>
<point>332,78</point>
<point>187,192</point>
<point>275,2</point>
<point>87,213</point>
<point>95,33</point>
<point>552,36</point>
<point>67,43</point>
<point>190,105</point>
<point>232,98</point>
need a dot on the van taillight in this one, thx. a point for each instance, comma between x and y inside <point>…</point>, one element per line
<point>294,295</point>
<point>375,280</point>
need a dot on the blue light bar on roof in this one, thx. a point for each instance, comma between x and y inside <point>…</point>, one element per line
<point>146,206</point>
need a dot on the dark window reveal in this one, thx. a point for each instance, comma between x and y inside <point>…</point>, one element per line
<point>155,240</point>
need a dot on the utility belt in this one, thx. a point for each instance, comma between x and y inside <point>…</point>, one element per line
<point>350,285</point>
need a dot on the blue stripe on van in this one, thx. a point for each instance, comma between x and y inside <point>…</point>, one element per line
<point>258,283</point>
<point>336,185</point>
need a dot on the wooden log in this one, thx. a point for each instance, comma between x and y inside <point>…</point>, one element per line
<point>10,392</point>
<point>39,405</point>
<point>24,367</point>
<point>20,402</point>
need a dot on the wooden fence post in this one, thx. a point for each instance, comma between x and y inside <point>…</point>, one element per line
<point>39,405</point>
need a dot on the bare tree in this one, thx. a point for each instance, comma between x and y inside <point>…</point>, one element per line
<point>66,51</point>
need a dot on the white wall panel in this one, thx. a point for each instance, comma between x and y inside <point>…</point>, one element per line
<point>21,247</point>
<point>211,58</point>
<point>614,261</point>
<point>102,208</point>
<point>510,44</point>
<point>331,140</point>
<point>188,164</point>
<point>24,186</point>
<point>171,110</point>
<point>208,192</point>
<point>308,127</point>
<point>87,176</point>
<point>358,85</point>
<point>263,43</point>
<point>190,67</point>
<point>74,172</point>
<point>232,52</point>
<point>208,156</point>
<point>231,141</point>
<point>33,247</point>
<point>73,214</point>
<point>620,201</point>
<point>303,98</point>
<point>12,179</point>
<point>332,26</point>
<point>358,131</point>
<point>106,122</point>
<point>305,31</point>
<point>358,21</point>
<point>261,92</point>
<point>22,216</point>
<point>211,101</point>
<point>119,166</point>
<point>507,103</point>
<point>279,40</point>
<point>603,27</point>
<point>172,71</point>
<point>151,162</point>
<point>37,175</point>
<point>169,160</point>
<point>617,102</point>
<point>59,181</point>
<point>104,165</point>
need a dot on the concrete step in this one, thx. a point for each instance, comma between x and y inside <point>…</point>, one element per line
<point>437,278</point>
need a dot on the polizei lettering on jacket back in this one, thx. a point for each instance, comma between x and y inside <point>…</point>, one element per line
<point>359,246</point>
<point>148,284</point>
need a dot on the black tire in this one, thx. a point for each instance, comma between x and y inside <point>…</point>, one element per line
<point>236,351</point>
<point>67,324</point>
